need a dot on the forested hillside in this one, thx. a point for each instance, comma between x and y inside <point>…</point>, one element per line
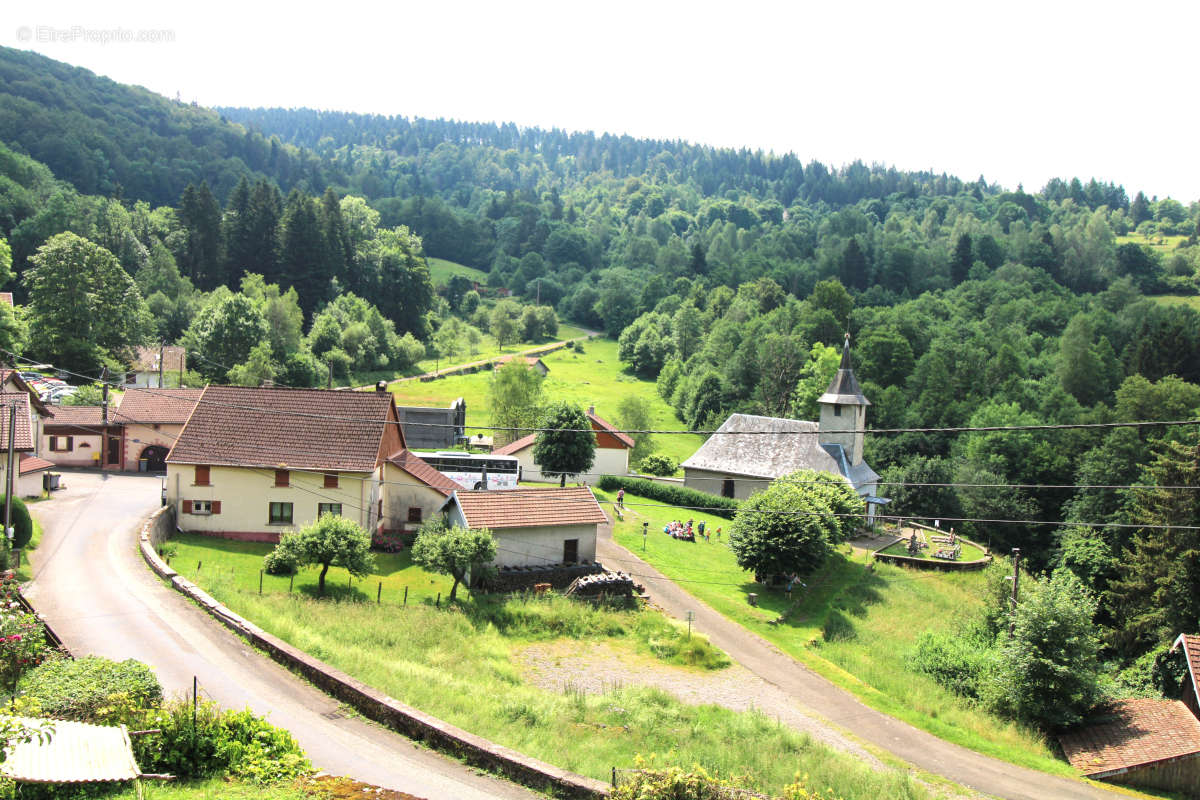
<point>286,244</point>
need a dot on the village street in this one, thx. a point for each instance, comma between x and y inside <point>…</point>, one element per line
<point>822,698</point>
<point>93,589</point>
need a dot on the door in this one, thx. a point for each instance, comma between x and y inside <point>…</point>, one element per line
<point>570,551</point>
<point>155,457</point>
<point>727,488</point>
<point>114,450</point>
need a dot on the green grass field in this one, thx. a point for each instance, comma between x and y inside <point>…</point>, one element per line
<point>854,626</point>
<point>488,348</point>
<point>441,270</point>
<point>594,377</point>
<point>1189,300</point>
<point>461,664</point>
<point>1163,244</point>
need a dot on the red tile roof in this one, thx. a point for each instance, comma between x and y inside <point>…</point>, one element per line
<point>24,437</point>
<point>91,416</point>
<point>157,406</point>
<point>598,424</point>
<point>6,298</point>
<point>414,465</point>
<point>512,447</point>
<point>7,375</point>
<point>529,508</point>
<point>31,463</point>
<point>1191,651</point>
<point>296,428</point>
<point>1137,733</point>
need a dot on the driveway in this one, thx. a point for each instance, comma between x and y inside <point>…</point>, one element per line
<point>93,589</point>
<point>966,767</point>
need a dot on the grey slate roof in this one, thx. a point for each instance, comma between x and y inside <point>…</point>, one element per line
<point>844,389</point>
<point>762,456</point>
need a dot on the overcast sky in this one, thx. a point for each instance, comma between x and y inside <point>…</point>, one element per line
<point>1018,91</point>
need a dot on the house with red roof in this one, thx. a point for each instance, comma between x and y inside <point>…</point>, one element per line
<point>1149,742</point>
<point>612,453</point>
<point>533,526</point>
<point>27,482</point>
<point>252,463</point>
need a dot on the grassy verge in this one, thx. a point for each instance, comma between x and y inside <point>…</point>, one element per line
<point>461,664</point>
<point>25,571</point>
<point>593,377</point>
<point>441,271</point>
<point>855,627</point>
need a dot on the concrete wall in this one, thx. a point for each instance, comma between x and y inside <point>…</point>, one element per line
<point>703,480</point>
<point>839,428</point>
<point>608,461</point>
<point>245,495</point>
<point>522,547</point>
<point>401,492</point>
<point>440,429</point>
<point>138,437</point>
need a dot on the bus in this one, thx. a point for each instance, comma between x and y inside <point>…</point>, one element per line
<point>466,469</point>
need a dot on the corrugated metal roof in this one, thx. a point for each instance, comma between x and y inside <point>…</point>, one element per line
<point>75,753</point>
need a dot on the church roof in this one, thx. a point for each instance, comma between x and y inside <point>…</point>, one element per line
<point>844,389</point>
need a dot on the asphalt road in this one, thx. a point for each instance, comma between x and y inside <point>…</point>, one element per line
<point>94,590</point>
<point>965,767</point>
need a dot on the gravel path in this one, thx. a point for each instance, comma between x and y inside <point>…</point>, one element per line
<point>597,667</point>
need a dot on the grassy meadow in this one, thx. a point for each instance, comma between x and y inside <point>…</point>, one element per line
<point>593,377</point>
<point>1162,244</point>
<point>488,348</point>
<point>855,626</point>
<point>461,663</point>
<point>441,271</point>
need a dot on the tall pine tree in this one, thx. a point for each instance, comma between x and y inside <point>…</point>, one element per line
<point>200,215</point>
<point>302,252</point>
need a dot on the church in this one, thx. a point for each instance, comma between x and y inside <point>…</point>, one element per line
<point>748,452</point>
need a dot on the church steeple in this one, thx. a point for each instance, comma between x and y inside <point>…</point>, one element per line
<point>844,410</point>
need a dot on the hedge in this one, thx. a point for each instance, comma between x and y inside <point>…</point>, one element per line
<point>671,495</point>
<point>21,521</point>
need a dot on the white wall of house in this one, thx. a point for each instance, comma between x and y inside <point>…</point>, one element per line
<point>140,436</point>
<point>28,485</point>
<point>607,461</point>
<point>523,547</point>
<point>245,495</point>
<point>84,449</point>
<point>703,480</point>
<point>402,493</point>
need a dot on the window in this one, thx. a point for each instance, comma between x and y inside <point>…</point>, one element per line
<point>280,514</point>
<point>331,480</point>
<point>62,444</point>
<point>329,508</point>
<point>837,411</point>
<point>727,488</point>
<point>281,477</point>
<point>414,513</point>
<point>202,506</point>
<point>570,551</point>
<point>201,475</point>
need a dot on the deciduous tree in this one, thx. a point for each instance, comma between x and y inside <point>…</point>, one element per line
<point>567,446</point>
<point>331,541</point>
<point>453,551</point>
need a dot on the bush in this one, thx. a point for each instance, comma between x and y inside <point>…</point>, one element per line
<point>22,523</point>
<point>90,689</point>
<point>957,662</point>
<point>658,465</point>
<point>671,495</point>
<point>280,562</point>
<point>234,743</point>
<point>385,542</point>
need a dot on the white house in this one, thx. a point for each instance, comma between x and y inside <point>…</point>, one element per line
<point>145,371</point>
<point>251,463</point>
<point>27,482</point>
<point>612,453</point>
<point>533,526</point>
<point>748,452</point>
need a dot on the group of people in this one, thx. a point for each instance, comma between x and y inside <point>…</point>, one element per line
<point>688,533</point>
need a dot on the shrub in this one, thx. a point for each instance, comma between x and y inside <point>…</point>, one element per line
<point>672,495</point>
<point>280,562</point>
<point>90,689</point>
<point>235,743</point>
<point>22,523</point>
<point>658,465</point>
<point>957,662</point>
<point>386,542</point>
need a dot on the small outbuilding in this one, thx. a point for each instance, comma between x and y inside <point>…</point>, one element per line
<point>1145,742</point>
<point>532,527</point>
<point>612,453</point>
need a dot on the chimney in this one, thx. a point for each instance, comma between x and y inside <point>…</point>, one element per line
<point>592,410</point>
<point>381,386</point>
<point>483,479</point>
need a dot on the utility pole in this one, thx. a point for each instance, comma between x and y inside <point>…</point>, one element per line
<point>104,402</point>
<point>161,347</point>
<point>329,378</point>
<point>1016,577</point>
<point>8,475</point>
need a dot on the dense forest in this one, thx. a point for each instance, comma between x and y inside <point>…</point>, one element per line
<point>282,244</point>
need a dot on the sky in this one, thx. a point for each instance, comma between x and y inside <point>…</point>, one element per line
<point>1018,92</point>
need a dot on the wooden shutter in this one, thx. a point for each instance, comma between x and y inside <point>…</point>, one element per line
<point>281,477</point>
<point>70,443</point>
<point>201,475</point>
<point>216,506</point>
<point>331,480</point>
<point>187,506</point>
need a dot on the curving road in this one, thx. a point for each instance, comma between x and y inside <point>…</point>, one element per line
<point>93,589</point>
<point>915,746</point>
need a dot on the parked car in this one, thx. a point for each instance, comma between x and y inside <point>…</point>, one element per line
<point>57,394</point>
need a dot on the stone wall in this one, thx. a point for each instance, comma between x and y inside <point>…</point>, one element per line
<point>368,701</point>
<point>517,579</point>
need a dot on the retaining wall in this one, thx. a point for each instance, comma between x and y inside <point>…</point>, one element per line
<point>933,563</point>
<point>368,701</point>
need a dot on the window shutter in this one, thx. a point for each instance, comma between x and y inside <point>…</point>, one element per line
<point>281,477</point>
<point>216,506</point>
<point>202,475</point>
<point>331,480</point>
<point>70,443</point>
<point>187,506</point>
